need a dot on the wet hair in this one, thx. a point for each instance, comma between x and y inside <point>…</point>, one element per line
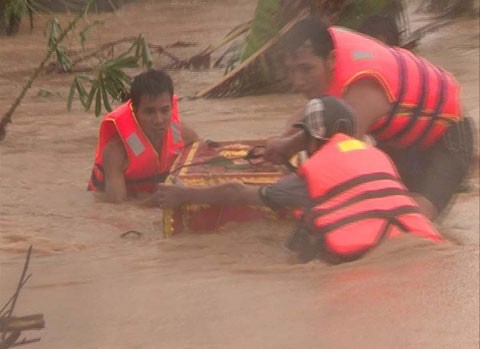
<point>312,31</point>
<point>150,83</point>
<point>383,28</point>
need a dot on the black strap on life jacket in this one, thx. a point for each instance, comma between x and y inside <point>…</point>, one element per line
<point>342,187</point>
<point>420,105</point>
<point>371,194</point>
<point>379,213</point>
<point>441,98</point>
<point>402,89</point>
<point>389,217</point>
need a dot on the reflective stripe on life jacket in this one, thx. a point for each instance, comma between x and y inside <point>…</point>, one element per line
<point>358,199</point>
<point>425,99</point>
<point>145,167</point>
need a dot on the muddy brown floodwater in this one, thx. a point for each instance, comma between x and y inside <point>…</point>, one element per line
<point>237,288</point>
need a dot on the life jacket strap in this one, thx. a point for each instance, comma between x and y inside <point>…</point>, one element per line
<point>402,89</point>
<point>442,94</point>
<point>342,187</point>
<point>420,105</point>
<point>371,194</point>
<point>388,214</point>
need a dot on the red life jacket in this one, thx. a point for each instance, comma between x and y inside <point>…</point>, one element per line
<point>358,199</point>
<point>146,168</point>
<point>425,99</point>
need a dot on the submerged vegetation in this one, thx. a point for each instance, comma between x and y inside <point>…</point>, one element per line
<point>12,12</point>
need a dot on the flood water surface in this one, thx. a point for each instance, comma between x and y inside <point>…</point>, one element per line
<point>236,288</point>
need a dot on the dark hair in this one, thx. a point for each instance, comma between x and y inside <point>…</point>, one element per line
<point>150,83</point>
<point>383,28</point>
<point>312,29</point>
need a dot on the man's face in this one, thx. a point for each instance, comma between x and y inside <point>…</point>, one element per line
<point>154,115</point>
<point>308,73</point>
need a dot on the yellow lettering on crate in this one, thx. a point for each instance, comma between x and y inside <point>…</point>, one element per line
<point>351,144</point>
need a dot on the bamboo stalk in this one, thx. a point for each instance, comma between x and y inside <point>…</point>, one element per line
<point>11,327</point>
<point>22,323</point>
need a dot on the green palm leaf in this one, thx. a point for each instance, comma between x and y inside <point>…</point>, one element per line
<point>266,23</point>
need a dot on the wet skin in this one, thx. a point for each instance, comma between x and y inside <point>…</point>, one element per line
<point>309,74</point>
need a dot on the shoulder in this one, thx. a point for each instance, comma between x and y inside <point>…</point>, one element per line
<point>369,93</point>
<point>365,85</point>
<point>188,133</point>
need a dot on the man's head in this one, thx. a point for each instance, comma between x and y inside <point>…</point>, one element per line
<point>325,117</point>
<point>151,94</point>
<point>309,57</point>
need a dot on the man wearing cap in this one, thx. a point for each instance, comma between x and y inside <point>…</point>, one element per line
<point>349,192</point>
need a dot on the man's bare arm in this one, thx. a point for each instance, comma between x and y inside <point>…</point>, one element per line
<point>369,102</point>
<point>114,163</point>
<point>281,149</point>
<point>189,135</point>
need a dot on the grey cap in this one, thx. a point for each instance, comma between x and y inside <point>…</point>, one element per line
<point>325,116</point>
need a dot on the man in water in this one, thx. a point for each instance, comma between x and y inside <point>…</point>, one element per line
<point>410,107</point>
<point>139,140</point>
<point>349,192</point>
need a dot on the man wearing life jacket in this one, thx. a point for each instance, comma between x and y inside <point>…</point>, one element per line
<point>409,106</point>
<point>139,140</point>
<point>349,192</point>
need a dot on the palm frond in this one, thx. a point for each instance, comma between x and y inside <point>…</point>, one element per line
<point>450,8</point>
<point>260,71</point>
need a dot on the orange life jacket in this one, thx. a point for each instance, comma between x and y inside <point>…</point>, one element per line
<point>425,99</point>
<point>146,168</point>
<point>358,199</point>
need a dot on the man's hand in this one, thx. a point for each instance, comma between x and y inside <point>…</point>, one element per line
<point>276,150</point>
<point>167,196</point>
<point>280,150</point>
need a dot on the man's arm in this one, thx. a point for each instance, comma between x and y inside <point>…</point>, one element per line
<point>188,134</point>
<point>288,192</point>
<point>281,149</point>
<point>369,102</point>
<point>114,163</point>
<point>366,97</point>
